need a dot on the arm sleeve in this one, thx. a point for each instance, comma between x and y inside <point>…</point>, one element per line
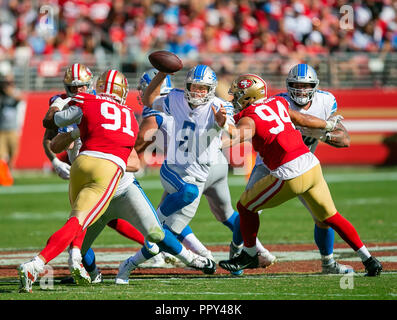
<point>68,116</point>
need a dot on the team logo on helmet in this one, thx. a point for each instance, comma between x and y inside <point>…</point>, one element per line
<point>244,84</point>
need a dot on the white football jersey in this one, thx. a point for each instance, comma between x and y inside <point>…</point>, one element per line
<point>194,139</point>
<point>323,106</point>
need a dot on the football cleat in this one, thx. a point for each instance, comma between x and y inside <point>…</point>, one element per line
<point>79,274</point>
<point>265,259</point>
<point>28,274</point>
<point>125,269</point>
<point>96,276</point>
<point>157,261</point>
<point>373,267</point>
<point>240,262</point>
<point>234,251</point>
<point>336,268</point>
<point>206,265</point>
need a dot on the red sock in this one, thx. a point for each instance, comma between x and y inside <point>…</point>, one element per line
<point>249,225</point>
<point>78,241</point>
<point>345,230</point>
<point>127,230</point>
<point>61,239</point>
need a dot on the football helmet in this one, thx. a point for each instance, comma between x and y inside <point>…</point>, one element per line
<point>148,75</point>
<point>114,84</point>
<point>246,89</point>
<point>203,75</point>
<point>302,74</point>
<point>75,76</point>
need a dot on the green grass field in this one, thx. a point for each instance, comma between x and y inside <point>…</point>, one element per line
<point>37,205</point>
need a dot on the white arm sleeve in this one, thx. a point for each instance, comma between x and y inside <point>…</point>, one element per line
<point>68,116</point>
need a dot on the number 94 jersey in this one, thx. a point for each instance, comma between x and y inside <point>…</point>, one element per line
<point>107,129</point>
<point>276,139</point>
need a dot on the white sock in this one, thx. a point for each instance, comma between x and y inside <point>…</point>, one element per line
<point>185,256</point>
<point>328,259</point>
<point>252,251</point>
<point>75,253</point>
<point>260,248</point>
<point>363,253</point>
<point>192,243</point>
<point>39,264</point>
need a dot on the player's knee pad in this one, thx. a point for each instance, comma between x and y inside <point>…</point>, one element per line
<point>189,192</point>
<point>155,235</point>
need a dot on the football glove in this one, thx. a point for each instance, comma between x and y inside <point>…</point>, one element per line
<point>61,168</point>
<point>332,122</point>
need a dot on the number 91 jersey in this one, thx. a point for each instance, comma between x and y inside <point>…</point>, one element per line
<point>276,139</point>
<point>106,127</point>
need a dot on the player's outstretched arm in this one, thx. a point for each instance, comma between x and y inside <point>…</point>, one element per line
<point>153,89</point>
<point>339,137</point>
<point>244,131</point>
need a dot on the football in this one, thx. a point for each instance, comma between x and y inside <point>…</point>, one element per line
<point>165,61</point>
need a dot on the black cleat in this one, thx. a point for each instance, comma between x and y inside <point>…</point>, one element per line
<point>240,262</point>
<point>373,267</point>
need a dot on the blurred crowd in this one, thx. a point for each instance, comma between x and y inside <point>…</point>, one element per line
<point>189,28</point>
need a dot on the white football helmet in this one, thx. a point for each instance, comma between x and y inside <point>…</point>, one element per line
<point>302,73</point>
<point>203,75</point>
<point>77,75</point>
<point>147,77</point>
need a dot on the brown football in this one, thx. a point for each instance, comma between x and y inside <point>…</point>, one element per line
<point>165,61</point>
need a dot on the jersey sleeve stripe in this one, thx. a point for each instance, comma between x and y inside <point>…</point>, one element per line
<point>167,105</point>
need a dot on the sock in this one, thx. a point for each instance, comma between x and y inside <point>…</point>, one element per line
<point>363,253</point>
<point>191,242</point>
<point>59,241</point>
<point>345,230</point>
<point>89,260</point>
<point>324,239</point>
<point>38,264</point>
<point>185,256</point>
<point>249,225</point>
<point>233,223</point>
<point>127,230</point>
<point>259,247</point>
<point>78,241</point>
<point>250,250</point>
<point>75,253</point>
<point>141,256</point>
<point>170,243</point>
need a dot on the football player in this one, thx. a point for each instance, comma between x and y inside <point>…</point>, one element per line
<point>188,118</point>
<point>294,170</point>
<point>303,96</point>
<point>78,79</point>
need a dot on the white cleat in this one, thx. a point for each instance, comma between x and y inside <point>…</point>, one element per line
<point>266,259</point>
<point>96,276</point>
<point>206,265</point>
<point>336,268</point>
<point>79,274</point>
<point>207,254</point>
<point>28,274</point>
<point>157,261</point>
<point>125,269</point>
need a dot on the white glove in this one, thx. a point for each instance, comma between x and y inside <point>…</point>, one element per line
<point>60,103</point>
<point>332,122</point>
<point>62,168</point>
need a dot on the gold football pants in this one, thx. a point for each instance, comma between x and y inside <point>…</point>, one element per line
<point>270,192</point>
<point>93,182</point>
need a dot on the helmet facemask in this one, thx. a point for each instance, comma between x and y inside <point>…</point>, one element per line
<point>306,76</point>
<point>201,75</point>
<point>77,75</point>
<point>302,96</point>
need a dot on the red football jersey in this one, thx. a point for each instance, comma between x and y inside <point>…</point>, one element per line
<point>106,126</point>
<point>276,139</point>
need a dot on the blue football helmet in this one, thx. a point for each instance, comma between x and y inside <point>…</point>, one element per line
<point>148,75</point>
<point>203,75</point>
<point>302,73</point>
